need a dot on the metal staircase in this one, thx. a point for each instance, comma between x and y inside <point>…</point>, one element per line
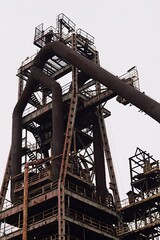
<point>34,101</point>
<point>35,131</point>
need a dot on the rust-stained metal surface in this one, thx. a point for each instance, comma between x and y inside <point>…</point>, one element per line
<point>58,180</point>
<point>146,104</point>
<point>25,203</point>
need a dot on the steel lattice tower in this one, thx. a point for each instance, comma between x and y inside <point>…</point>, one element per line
<point>60,149</point>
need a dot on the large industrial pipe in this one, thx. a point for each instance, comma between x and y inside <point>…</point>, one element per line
<point>57,117</point>
<point>143,102</point>
<point>57,108</point>
<point>16,147</point>
<point>37,76</point>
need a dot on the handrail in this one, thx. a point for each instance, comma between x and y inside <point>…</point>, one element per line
<point>87,194</point>
<point>7,229</point>
<point>140,225</point>
<point>36,177</point>
<point>133,74</point>
<point>141,197</point>
<point>86,36</point>
<point>44,32</point>
<point>52,212</point>
<point>90,221</point>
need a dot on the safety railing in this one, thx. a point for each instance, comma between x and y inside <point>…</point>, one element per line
<point>146,171</point>
<point>81,191</point>
<point>46,173</point>
<point>62,19</point>
<point>141,196</point>
<point>40,34</point>
<point>6,229</point>
<point>132,74</point>
<point>89,221</point>
<point>25,64</point>
<point>32,194</point>
<point>139,225</point>
<point>7,204</point>
<point>88,194</point>
<point>42,190</point>
<point>91,94</point>
<point>27,61</point>
<point>49,213</point>
<point>88,38</point>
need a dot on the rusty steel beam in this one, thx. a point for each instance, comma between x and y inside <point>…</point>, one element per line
<point>25,203</point>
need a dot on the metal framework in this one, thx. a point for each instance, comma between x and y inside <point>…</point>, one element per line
<point>141,213</point>
<point>60,149</point>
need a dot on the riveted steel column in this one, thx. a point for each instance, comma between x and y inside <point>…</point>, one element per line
<point>25,203</point>
<point>99,160</point>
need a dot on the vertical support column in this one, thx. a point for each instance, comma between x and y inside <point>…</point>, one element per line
<point>98,148</point>
<point>57,127</point>
<point>106,147</point>
<point>25,203</point>
<point>66,150</point>
<point>99,160</point>
<point>111,171</point>
<point>5,182</point>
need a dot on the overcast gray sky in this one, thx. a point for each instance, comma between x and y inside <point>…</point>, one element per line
<point>127,33</point>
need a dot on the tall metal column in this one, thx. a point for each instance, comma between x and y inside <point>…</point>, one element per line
<point>66,150</point>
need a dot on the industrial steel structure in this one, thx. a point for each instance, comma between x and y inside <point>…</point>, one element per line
<point>60,154</point>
